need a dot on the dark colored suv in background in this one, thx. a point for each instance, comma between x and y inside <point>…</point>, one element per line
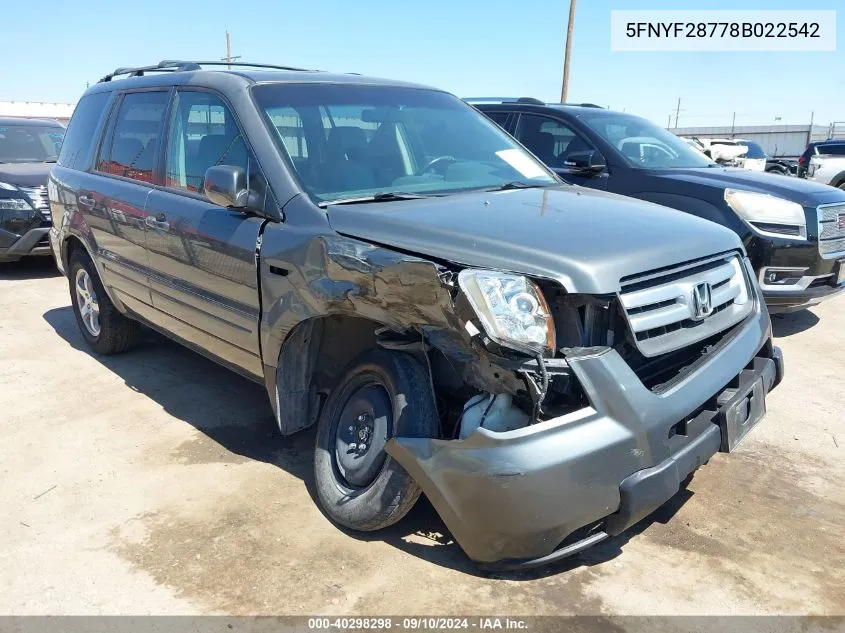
<point>832,147</point>
<point>793,230</point>
<point>28,149</point>
<point>546,363</point>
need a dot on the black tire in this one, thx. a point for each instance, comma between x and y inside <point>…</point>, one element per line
<point>842,185</point>
<point>117,333</point>
<point>392,492</point>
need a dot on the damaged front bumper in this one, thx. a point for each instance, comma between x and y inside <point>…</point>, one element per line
<point>531,496</point>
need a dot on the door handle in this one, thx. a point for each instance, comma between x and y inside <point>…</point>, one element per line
<point>158,222</point>
<point>86,201</point>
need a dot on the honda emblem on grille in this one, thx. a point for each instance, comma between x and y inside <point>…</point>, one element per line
<point>702,301</point>
<point>841,223</point>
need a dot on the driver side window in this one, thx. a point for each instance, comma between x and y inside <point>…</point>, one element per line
<point>204,133</point>
<point>550,140</point>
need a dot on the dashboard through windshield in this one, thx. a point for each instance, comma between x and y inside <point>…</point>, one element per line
<point>356,141</point>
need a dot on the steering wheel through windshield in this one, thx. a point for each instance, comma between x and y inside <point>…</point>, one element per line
<point>437,165</point>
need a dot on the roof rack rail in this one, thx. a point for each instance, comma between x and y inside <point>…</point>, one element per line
<point>530,100</point>
<point>583,105</point>
<point>172,65</point>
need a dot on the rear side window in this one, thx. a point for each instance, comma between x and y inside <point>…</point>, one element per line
<point>79,139</point>
<point>132,145</point>
<point>832,150</point>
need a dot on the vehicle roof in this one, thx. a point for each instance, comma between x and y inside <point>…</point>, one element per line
<point>11,120</point>
<point>245,77</point>
<point>562,107</point>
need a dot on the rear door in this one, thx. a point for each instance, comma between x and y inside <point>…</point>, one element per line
<point>114,204</point>
<point>554,142</point>
<point>202,256</point>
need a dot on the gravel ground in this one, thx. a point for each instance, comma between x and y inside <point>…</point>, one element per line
<point>153,483</point>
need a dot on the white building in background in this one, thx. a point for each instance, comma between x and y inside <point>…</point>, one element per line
<point>776,140</point>
<point>37,110</point>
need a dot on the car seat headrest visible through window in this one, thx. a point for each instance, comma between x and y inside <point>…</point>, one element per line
<point>346,143</point>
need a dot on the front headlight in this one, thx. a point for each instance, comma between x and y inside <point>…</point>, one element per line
<point>511,309</point>
<point>769,215</point>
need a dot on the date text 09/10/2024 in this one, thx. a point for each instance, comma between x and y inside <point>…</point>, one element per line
<point>416,623</point>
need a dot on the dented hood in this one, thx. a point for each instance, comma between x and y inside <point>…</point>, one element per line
<point>585,239</point>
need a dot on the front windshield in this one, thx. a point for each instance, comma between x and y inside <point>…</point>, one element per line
<point>30,144</point>
<point>645,145</point>
<point>356,141</point>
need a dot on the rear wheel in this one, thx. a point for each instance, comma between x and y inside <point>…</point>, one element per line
<point>381,395</point>
<point>105,329</point>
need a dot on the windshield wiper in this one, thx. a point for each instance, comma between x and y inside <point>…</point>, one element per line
<point>518,184</point>
<point>380,196</point>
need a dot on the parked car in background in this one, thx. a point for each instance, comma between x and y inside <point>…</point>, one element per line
<point>723,151</point>
<point>28,149</point>
<point>401,273</point>
<point>830,148</point>
<point>755,158</point>
<point>793,230</point>
<point>782,166</point>
<point>827,165</point>
<point>735,152</point>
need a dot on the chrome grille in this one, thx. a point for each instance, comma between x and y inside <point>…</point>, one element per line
<point>40,200</point>
<point>831,230</point>
<point>664,314</point>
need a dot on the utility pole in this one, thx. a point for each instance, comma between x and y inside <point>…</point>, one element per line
<point>228,59</point>
<point>810,131</point>
<point>677,112</point>
<point>733,125</point>
<point>568,54</point>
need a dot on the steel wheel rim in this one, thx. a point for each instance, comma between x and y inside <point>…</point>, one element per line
<point>86,301</point>
<point>360,433</point>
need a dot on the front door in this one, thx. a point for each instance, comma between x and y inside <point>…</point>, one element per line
<point>556,144</point>
<point>202,256</point>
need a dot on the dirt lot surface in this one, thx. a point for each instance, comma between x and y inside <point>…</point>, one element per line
<point>153,482</point>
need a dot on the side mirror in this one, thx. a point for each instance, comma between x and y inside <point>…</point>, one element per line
<point>226,186</point>
<point>587,161</point>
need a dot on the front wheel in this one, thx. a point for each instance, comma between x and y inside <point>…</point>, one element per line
<point>381,395</point>
<point>105,329</point>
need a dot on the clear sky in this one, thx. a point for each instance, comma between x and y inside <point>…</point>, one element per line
<point>470,47</point>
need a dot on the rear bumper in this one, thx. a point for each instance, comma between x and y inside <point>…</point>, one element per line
<point>511,499</point>
<point>32,243</point>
